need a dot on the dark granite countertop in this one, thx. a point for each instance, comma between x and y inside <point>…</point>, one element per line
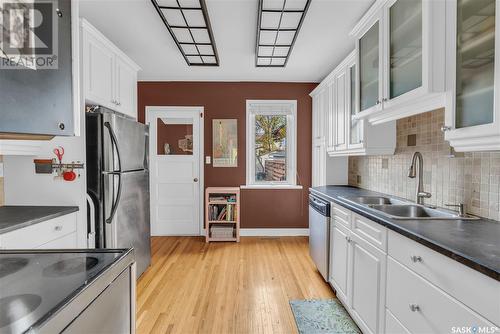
<point>474,243</point>
<point>15,217</point>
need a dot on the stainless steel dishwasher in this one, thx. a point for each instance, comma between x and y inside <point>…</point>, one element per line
<point>319,232</point>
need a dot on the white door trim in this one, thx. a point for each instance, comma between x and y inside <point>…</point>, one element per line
<point>201,181</point>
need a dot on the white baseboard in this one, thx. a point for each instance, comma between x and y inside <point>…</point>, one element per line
<point>274,232</point>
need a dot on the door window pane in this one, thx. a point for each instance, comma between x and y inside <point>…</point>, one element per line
<point>369,71</point>
<point>355,132</point>
<point>406,46</point>
<point>270,148</point>
<point>475,62</point>
<point>174,137</point>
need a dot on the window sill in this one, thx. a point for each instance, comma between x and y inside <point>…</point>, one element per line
<point>271,186</point>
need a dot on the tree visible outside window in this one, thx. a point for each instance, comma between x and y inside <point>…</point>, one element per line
<point>271,142</point>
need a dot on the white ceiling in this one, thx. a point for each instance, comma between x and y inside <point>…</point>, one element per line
<point>136,28</point>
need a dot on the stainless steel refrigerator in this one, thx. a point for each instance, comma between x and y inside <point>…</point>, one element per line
<point>118,183</point>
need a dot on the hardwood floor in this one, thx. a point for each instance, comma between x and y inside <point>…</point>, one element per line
<point>194,287</point>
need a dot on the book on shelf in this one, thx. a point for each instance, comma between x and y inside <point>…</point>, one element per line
<point>218,212</point>
<point>223,198</point>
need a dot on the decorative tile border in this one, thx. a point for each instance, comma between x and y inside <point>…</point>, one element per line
<point>472,178</point>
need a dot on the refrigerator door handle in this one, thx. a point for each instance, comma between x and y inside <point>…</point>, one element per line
<point>117,173</point>
<point>114,143</point>
<point>91,231</point>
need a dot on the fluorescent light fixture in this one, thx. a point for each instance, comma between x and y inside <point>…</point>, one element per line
<point>278,26</point>
<point>188,23</point>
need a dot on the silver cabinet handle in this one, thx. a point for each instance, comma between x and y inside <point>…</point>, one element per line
<point>385,99</point>
<point>58,228</point>
<point>416,258</point>
<point>414,307</point>
<point>195,179</point>
<point>348,239</point>
<point>445,128</point>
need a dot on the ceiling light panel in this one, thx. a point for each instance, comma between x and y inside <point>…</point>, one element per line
<point>189,25</point>
<point>278,26</point>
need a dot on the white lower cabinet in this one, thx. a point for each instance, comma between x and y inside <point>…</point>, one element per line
<point>66,242</point>
<point>357,272</point>
<point>422,307</point>
<point>392,284</point>
<point>367,285</point>
<point>339,265</point>
<point>55,233</point>
<point>393,325</point>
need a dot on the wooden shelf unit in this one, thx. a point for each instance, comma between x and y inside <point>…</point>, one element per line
<point>226,192</point>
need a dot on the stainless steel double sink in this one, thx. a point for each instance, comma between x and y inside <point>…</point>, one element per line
<point>400,209</point>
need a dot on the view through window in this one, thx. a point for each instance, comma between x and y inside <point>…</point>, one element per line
<point>271,146</point>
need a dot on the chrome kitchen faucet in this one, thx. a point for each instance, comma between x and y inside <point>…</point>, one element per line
<point>420,194</point>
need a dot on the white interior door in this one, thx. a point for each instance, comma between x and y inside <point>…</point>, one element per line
<point>176,178</point>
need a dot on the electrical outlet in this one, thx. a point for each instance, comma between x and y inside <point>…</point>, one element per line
<point>208,160</point>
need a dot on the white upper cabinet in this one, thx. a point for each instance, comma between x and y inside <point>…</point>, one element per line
<point>370,67</point>
<point>319,114</point>
<point>347,135</point>
<point>472,121</point>
<point>125,87</point>
<point>109,76</point>
<point>98,70</point>
<point>339,111</point>
<point>401,48</point>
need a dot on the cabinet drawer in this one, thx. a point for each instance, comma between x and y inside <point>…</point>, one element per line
<point>372,232</point>
<point>65,242</point>
<point>38,234</point>
<point>477,291</point>
<point>341,215</point>
<point>423,308</point>
<point>393,325</point>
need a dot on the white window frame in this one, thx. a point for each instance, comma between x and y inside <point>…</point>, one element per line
<point>291,143</point>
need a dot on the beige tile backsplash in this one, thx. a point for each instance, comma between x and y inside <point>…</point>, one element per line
<point>472,178</point>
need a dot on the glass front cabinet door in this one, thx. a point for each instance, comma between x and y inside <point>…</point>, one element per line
<point>472,118</point>
<point>370,69</point>
<point>409,78</point>
<point>354,125</point>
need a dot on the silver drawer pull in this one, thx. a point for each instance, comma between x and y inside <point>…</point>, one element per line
<point>414,307</point>
<point>416,258</point>
<point>58,228</point>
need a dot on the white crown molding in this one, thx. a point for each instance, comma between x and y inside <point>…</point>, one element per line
<point>363,22</point>
<point>331,77</point>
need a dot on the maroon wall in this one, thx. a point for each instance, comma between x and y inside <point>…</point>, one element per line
<point>260,208</point>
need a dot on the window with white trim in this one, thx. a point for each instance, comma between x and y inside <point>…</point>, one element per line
<point>271,143</point>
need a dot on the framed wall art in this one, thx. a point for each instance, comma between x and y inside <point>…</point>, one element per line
<point>225,142</point>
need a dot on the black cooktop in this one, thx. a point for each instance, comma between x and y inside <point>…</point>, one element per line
<point>35,284</point>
